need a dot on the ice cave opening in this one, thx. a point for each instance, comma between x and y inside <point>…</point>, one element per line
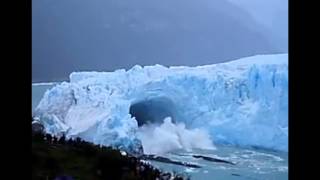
<point>161,128</point>
<point>153,110</point>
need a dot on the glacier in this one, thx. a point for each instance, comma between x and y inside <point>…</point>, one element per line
<point>242,102</point>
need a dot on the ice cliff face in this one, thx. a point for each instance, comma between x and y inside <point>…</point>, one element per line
<point>243,102</point>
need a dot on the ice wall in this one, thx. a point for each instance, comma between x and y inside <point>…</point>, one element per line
<point>242,102</point>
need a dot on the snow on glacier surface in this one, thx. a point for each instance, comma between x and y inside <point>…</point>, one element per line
<point>242,102</point>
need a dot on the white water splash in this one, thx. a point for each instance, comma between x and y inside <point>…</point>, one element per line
<point>169,137</point>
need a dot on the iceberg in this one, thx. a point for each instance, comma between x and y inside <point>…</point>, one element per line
<point>242,102</point>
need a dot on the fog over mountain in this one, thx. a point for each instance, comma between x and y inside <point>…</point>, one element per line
<point>273,15</point>
<point>104,35</point>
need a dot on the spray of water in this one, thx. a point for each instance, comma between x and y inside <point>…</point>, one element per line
<point>161,139</point>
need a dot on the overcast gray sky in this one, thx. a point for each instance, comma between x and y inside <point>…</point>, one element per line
<point>104,35</point>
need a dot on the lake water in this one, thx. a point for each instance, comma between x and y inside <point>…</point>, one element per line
<point>251,164</point>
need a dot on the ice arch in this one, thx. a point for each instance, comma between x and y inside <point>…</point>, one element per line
<point>153,110</point>
<point>230,100</point>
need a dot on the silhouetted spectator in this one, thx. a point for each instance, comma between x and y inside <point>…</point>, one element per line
<point>62,139</point>
<point>78,140</point>
<point>49,138</point>
<point>37,127</point>
<point>39,137</point>
<point>55,140</point>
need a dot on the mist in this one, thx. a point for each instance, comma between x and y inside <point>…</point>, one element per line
<point>100,35</point>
